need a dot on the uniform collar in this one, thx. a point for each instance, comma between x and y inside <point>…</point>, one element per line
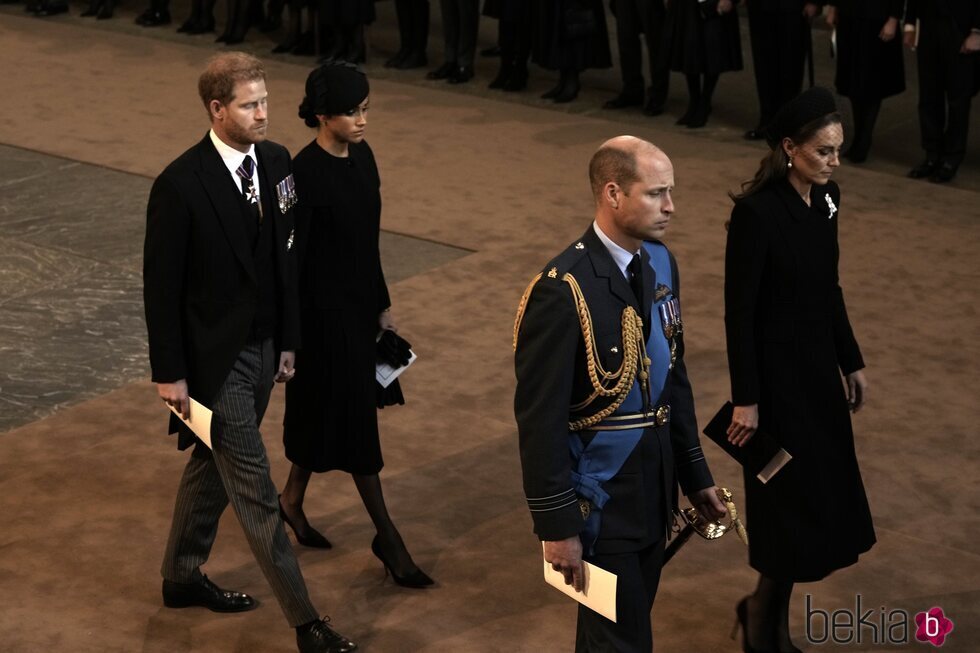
<point>621,256</point>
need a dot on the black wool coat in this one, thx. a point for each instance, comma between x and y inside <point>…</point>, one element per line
<point>789,341</point>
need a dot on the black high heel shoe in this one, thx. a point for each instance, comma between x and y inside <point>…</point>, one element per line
<point>742,619</point>
<point>416,579</point>
<point>308,536</point>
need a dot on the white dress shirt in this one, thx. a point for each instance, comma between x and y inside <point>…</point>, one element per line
<point>621,256</point>
<point>233,158</point>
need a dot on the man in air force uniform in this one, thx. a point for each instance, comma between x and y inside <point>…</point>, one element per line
<point>603,405</point>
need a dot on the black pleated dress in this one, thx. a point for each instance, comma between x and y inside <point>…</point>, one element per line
<point>867,67</point>
<point>331,417</point>
<point>696,44</point>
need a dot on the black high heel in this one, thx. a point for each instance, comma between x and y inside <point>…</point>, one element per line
<point>308,536</point>
<point>415,579</point>
<point>742,619</point>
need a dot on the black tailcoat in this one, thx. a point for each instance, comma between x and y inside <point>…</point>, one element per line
<point>199,281</point>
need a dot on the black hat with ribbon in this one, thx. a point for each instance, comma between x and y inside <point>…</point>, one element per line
<point>331,90</point>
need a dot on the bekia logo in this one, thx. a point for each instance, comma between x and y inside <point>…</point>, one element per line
<point>933,626</point>
<point>881,626</point>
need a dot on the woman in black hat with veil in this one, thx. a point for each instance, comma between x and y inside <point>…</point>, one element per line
<point>795,366</point>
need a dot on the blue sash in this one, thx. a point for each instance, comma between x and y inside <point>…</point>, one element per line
<point>608,450</point>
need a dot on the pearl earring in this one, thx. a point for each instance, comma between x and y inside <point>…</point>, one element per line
<point>789,164</point>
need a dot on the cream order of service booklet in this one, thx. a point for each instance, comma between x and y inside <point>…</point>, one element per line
<point>598,592</point>
<point>199,421</point>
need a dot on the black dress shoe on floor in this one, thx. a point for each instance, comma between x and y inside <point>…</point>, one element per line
<point>944,173</point>
<point>152,18</point>
<point>925,169</point>
<point>442,72</point>
<point>318,637</point>
<point>307,536</point>
<point>413,60</point>
<point>415,579</point>
<point>623,100</point>
<point>51,9</point>
<point>205,594</point>
<point>652,108</point>
<point>461,75</point>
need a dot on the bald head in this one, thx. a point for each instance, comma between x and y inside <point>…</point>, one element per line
<point>616,161</point>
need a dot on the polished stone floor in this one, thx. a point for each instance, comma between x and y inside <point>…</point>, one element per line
<point>71,306</point>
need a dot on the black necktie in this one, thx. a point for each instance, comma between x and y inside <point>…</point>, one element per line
<point>635,270</point>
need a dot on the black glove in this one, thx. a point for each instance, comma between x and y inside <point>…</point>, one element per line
<point>393,349</point>
<point>391,395</point>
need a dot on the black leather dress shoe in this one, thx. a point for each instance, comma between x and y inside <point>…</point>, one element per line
<point>653,108</point>
<point>205,594</point>
<point>944,173</point>
<point>925,169</point>
<point>442,72</point>
<point>413,60</point>
<point>51,9</point>
<point>623,100</point>
<point>153,18</point>
<point>318,637</point>
<point>461,75</point>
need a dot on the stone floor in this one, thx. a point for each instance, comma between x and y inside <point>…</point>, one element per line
<point>71,288</point>
<point>484,189</point>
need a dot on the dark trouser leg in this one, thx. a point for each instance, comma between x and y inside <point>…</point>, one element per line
<point>865,116</point>
<point>638,576</point>
<point>959,74</point>
<point>761,33</point>
<point>469,24</point>
<point>628,25</point>
<point>405,14</point>
<point>450,30</point>
<point>240,463</point>
<point>932,92</point>
<point>420,26</point>
<point>652,14</point>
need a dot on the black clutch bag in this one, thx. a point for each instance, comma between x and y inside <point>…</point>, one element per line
<point>761,456</point>
<point>395,351</point>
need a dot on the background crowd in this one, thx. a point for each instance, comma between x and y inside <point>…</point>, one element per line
<point>700,39</point>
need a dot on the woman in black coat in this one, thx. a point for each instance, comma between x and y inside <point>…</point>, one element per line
<point>569,36</point>
<point>789,344</point>
<point>702,41</point>
<point>869,61</point>
<point>331,417</point>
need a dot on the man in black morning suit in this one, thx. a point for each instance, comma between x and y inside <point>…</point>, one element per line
<point>221,303</point>
<point>948,56</point>
<point>599,471</point>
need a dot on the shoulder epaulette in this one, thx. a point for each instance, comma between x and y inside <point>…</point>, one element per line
<point>554,270</point>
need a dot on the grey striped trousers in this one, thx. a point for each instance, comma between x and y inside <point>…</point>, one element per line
<point>237,471</point>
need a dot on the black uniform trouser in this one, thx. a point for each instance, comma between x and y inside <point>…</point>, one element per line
<point>460,22</point>
<point>638,577</point>
<point>778,54</point>
<point>946,80</point>
<point>413,24</point>
<point>514,37</point>
<point>632,17</point>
